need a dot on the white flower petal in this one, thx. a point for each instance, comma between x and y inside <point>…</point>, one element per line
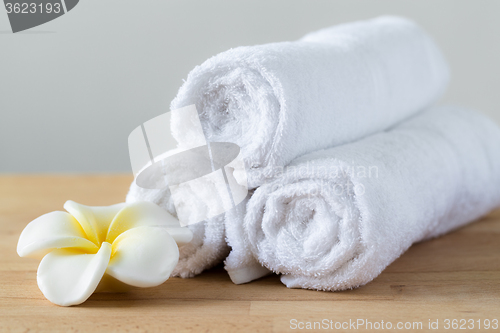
<point>67,277</point>
<point>140,214</point>
<point>143,256</point>
<point>95,221</point>
<point>51,231</point>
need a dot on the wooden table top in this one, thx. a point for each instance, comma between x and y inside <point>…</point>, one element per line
<point>453,277</point>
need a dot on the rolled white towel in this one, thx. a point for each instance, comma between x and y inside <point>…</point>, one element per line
<point>281,100</point>
<point>338,217</point>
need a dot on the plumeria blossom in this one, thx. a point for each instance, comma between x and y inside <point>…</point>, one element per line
<point>89,248</point>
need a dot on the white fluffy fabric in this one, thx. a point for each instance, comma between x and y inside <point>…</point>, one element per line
<point>281,100</point>
<point>336,218</point>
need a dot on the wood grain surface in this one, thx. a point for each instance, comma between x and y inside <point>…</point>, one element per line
<point>453,277</point>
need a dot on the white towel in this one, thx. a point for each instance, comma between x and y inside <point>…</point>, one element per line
<point>336,218</point>
<point>281,100</point>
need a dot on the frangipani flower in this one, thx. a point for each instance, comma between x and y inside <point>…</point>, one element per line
<point>109,247</point>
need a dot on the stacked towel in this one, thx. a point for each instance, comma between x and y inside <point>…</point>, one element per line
<point>336,218</point>
<point>279,101</point>
<point>282,100</point>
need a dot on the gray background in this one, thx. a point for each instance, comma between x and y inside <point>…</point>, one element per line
<point>74,88</point>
